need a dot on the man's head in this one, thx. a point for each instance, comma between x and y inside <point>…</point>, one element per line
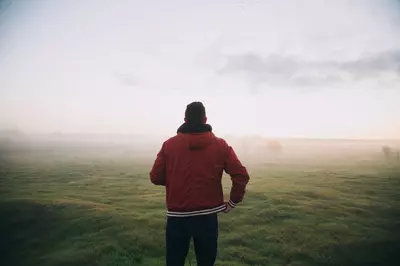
<point>195,113</point>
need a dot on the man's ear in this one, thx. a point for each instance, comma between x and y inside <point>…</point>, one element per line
<point>184,119</point>
<point>205,120</point>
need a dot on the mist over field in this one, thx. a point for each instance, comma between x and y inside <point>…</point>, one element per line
<point>251,149</point>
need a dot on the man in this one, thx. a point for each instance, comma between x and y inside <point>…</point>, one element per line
<point>190,165</point>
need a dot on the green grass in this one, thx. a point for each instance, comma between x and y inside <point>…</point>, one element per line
<point>63,209</point>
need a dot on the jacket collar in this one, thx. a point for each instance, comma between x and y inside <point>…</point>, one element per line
<point>186,128</point>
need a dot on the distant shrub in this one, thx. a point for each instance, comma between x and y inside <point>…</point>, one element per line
<point>274,146</point>
<point>386,151</point>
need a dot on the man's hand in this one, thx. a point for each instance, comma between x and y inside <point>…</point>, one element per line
<point>228,208</point>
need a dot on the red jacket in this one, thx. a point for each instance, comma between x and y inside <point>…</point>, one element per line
<point>190,165</point>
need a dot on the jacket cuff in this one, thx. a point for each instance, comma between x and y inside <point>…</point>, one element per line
<point>232,204</point>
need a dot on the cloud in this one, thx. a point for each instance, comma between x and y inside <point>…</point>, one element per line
<point>282,70</point>
<point>373,64</point>
<point>126,80</point>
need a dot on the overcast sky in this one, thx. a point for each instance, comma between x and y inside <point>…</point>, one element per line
<point>311,68</point>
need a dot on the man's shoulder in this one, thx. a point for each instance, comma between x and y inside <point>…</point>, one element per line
<point>220,140</point>
<point>172,139</point>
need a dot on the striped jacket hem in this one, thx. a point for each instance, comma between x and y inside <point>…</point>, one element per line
<point>197,213</point>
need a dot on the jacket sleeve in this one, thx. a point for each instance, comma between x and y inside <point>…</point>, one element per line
<point>157,173</point>
<point>239,176</point>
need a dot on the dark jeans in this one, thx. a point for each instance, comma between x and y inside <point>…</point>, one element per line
<point>180,230</point>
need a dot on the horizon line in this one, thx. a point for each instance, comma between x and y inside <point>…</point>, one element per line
<point>19,132</point>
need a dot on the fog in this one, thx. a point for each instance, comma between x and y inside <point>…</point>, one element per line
<point>251,149</point>
<point>276,69</point>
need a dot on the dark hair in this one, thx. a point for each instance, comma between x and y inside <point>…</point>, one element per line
<point>195,113</point>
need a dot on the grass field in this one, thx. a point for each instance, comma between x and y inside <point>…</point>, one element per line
<point>63,208</point>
